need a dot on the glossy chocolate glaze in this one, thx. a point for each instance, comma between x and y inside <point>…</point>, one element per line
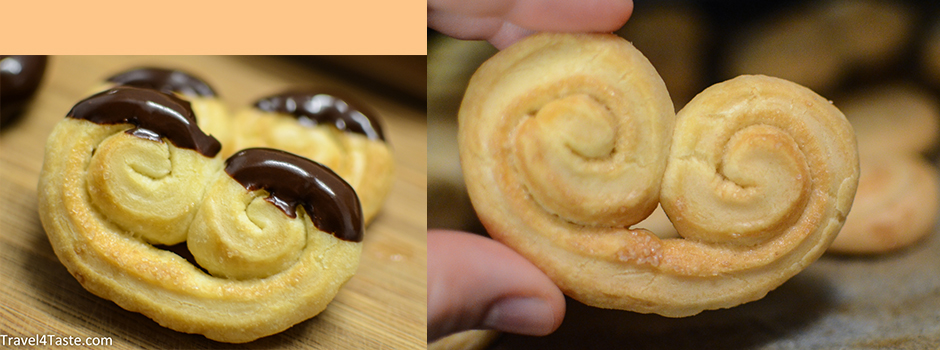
<point>154,114</point>
<point>165,80</point>
<point>292,180</point>
<point>19,79</point>
<point>312,107</point>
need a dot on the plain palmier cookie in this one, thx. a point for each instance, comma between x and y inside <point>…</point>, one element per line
<point>566,140</point>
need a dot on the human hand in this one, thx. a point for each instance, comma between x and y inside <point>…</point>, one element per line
<point>503,22</point>
<point>475,282</point>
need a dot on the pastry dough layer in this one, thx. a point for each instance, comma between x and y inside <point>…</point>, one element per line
<point>565,140</point>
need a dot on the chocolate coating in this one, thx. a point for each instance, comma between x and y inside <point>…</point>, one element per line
<point>154,114</point>
<point>293,180</point>
<point>312,107</point>
<point>19,79</point>
<point>165,80</point>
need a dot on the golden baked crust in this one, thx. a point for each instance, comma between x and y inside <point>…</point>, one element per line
<point>104,194</point>
<point>564,141</point>
<point>366,164</point>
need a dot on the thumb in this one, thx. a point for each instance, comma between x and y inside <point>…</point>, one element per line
<point>475,282</point>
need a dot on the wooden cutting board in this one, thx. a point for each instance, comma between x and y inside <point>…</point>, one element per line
<point>383,307</point>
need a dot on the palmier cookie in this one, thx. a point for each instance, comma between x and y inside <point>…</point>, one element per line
<point>325,126</point>
<point>19,79</point>
<point>870,35</point>
<point>128,170</point>
<point>214,116</point>
<point>566,139</point>
<point>896,204</point>
<point>795,45</point>
<point>893,119</point>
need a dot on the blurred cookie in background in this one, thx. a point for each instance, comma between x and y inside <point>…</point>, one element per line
<point>793,45</point>
<point>870,35</point>
<point>818,44</point>
<point>674,37</point>
<point>19,79</point>
<point>897,199</point>
<point>895,205</point>
<point>893,118</point>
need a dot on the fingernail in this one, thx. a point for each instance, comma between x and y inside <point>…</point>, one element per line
<point>530,316</point>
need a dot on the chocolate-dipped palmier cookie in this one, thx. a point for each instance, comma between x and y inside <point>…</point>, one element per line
<point>275,235</point>
<point>19,79</point>
<point>325,126</point>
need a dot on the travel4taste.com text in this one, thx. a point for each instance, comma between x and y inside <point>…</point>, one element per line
<point>52,340</point>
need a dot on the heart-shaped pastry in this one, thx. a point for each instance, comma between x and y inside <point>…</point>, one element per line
<point>273,235</point>
<point>569,140</point>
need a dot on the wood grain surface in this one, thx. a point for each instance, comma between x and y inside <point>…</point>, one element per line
<point>382,307</point>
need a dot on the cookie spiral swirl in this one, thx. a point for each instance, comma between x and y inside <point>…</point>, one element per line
<point>567,139</point>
